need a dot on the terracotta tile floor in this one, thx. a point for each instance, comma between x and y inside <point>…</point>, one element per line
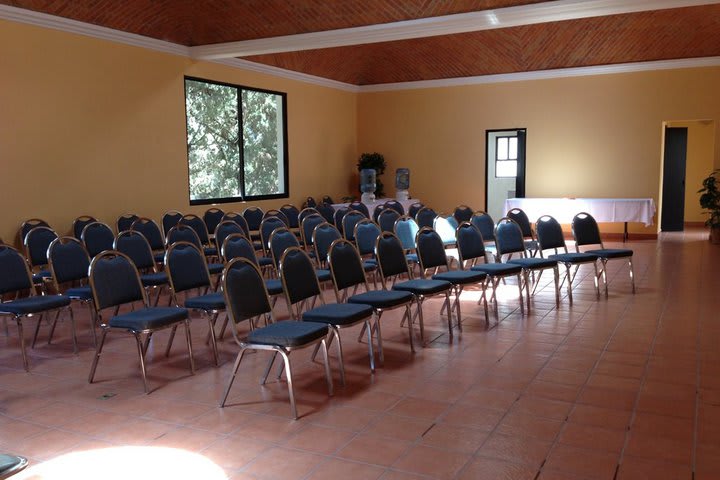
<point>626,387</point>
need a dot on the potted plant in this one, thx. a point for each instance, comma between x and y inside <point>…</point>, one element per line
<point>710,201</point>
<point>376,162</point>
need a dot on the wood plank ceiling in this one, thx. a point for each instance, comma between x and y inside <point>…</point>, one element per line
<point>688,32</point>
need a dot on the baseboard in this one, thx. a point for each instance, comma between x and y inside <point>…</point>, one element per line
<point>631,236</point>
<point>694,224</point>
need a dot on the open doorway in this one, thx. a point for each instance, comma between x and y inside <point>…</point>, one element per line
<point>504,168</point>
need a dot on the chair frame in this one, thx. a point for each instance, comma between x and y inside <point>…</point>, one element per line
<point>154,267</point>
<point>81,220</point>
<point>174,213</point>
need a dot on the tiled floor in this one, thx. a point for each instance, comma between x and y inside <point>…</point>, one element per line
<point>621,388</point>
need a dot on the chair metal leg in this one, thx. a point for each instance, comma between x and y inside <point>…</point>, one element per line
<point>421,321</point>
<point>371,353</point>
<point>74,333</point>
<point>21,336</point>
<point>595,281</point>
<point>37,329</point>
<point>520,289</point>
<point>93,323</point>
<point>267,369</point>
<point>288,374</point>
<point>336,334</point>
<point>556,273</point>
<point>170,340</point>
<point>212,319</point>
<point>604,275</point>
<point>139,342</point>
<point>96,358</point>
<point>378,331</point>
<point>189,347</point>
<point>568,267</point>
<point>632,274</point>
<point>232,377</point>
<point>526,281</point>
<point>52,327</point>
<point>328,374</point>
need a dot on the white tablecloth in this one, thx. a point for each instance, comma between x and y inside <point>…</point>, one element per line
<point>372,206</point>
<point>602,209</point>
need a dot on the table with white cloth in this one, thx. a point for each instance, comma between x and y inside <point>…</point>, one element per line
<point>608,210</point>
<point>372,206</point>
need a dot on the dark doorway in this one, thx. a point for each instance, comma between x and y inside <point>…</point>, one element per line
<point>673,194</point>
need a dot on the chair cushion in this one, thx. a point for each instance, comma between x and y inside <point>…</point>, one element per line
<point>154,279</point>
<point>288,333</point>
<point>35,304</point>
<point>533,263</point>
<point>215,268</point>
<point>422,287</point>
<point>412,258</point>
<point>210,251</point>
<point>612,252</point>
<point>497,268</point>
<point>149,318</point>
<point>323,275</point>
<point>159,257</point>
<point>338,313</point>
<point>574,257</point>
<point>39,277</point>
<point>531,245</point>
<point>370,265</point>
<point>370,261</point>
<point>382,298</point>
<point>257,245</point>
<point>11,464</point>
<point>460,277</point>
<point>79,293</point>
<point>211,301</point>
<point>264,261</point>
<point>274,286</point>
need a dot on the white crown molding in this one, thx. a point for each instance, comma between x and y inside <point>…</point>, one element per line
<point>548,74</point>
<point>445,25</point>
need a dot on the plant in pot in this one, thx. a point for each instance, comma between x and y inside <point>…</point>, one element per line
<point>376,162</point>
<point>710,201</point>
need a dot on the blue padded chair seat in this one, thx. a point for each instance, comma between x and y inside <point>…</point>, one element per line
<point>497,268</point>
<point>264,261</point>
<point>215,268</point>
<point>159,257</point>
<point>370,261</point>
<point>274,286</point>
<point>38,303</point>
<point>210,251</point>
<point>338,313</point>
<point>382,298</point>
<point>412,258</point>
<point>323,275</point>
<point>211,301</point>
<point>257,245</point>
<point>422,287</point>
<point>460,277</point>
<point>154,279</point>
<point>370,265</point>
<point>533,262</point>
<point>10,464</point>
<point>612,252</point>
<point>41,275</point>
<point>574,257</point>
<point>79,293</point>
<point>531,244</point>
<point>149,318</point>
<point>288,333</point>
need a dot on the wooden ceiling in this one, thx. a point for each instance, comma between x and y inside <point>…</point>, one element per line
<point>675,33</point>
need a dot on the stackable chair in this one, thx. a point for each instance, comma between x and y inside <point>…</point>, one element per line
<point>521,218</point>
<point>414,209</point>
<point>509,240</point>
<point>327,211</point>
<point>377,211</point>
<point>115,282</point>
<point>338,217</point>
<point>445,226</point>
<point>366,234</point>
<point>150,230</point>
<point>11,464</point>
<point>97,237</point>
<point>310,203</point>
<point>240,220</point>
<point>349,220</point>
<point>169,220</point>
<point>247,300</point>
<point>425,217</point>
<point>197,224</point>
<point>328,199</point>
<point>360,207</point>
<point>277,214</point>
<point>302,293</point>
<point>471,249</point>
<point>347,271</point>
<point>323,236</point>
<point>125,221</point>
<point>212,217</point>
<point>253,216</point>
<point>406,229</point>
<point>222,231</point>
<point>134,244</point>
<point>28,225</point>
<point>462,213</point>
<point>185,233</point>
<point>308,226</point>
<point>267,226</point>
<point>395,205</point>
<point>36,243</point>
<point>586,232</point>
<point>392,264</point>
<point>236,245</point>
<point>292,214</point>
<point>486,226</point>
<point>305,212</point>
<point>79,223</point>
<point>387,219</point>
<point>431,255</point>
<point>282,239</point>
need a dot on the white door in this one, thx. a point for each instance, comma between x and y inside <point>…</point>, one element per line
<point>505,162</point>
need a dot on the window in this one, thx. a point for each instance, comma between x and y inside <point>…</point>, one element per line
<point>506,157</point>
<point>237,142</point>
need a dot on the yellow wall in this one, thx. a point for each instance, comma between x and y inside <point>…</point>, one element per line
<point>596,136</point>
<point>93,127</point>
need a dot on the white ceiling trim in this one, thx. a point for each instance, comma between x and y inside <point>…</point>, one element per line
<point>548,74</point>
<point>445,25</point>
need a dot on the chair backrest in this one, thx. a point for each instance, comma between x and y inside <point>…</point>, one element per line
<point>169,220</point>
<point>96,237</point>
<point>395,205</point>
<point>225,228</point>
<point>239,219</point>
<point>323,236</point>
<point>406,229</point>
<point>186,267</point>
<point>79,223</point>
<point>267,226</point>
<point>28,225</point>
<point>308,226</point>
<point>278,214</point>
<point>36,243</point>
<point>182,233</point>
<point>292,214</point>
<point>197,224</point>
<point>253,216</point>
<point>366,234</point>
<point>509,237</point>
<point>244,290</point>
<point>150,231</point>
<point>298,277</point>
<point>327,211</point>
<point>68,261</point>
<point>345,266</point>
<point>212,217</point>
<point>445,227</point>
<point>310,203</point>
<point>462,213</point>
<point>134,244</point>
<point>470,243</point>
<point>430,249</point>
<point>425,217</point>
<point>14,271</point>
<point>390,256</point>
<point>360,207</point>
<point>327,199</point>
<point>237,245</point>
<point>521,218</point>
<point>549,233</point>
<point>484,222</point>
<point>415,208</point>
<point>305,212</point>
<point>387,219</point>
<point>378,210</point>
<point>338,216</point>
<point>125,221</point>
<point>585,230</point>
<point>280,240</point>
<point>114,280</point>
<point>349,221</point>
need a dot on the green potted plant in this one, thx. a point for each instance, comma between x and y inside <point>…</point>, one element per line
<point>377,162</point>
<point>710,201</point>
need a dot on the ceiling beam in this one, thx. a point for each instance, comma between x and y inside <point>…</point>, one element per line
<point>445,25</point>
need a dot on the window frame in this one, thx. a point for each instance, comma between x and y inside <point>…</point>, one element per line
<point>498,160</point>
<point>285,162</point>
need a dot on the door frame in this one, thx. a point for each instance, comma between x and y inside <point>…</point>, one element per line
<point>522,166</point>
